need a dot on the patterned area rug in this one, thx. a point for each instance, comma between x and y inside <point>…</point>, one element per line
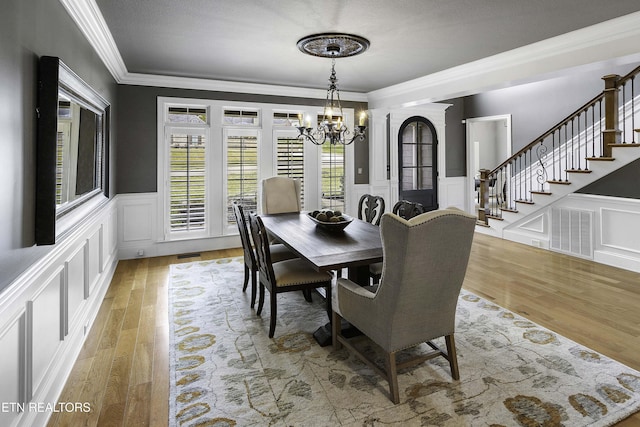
<point>225,371</point>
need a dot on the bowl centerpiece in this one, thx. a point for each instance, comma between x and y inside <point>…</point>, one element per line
<point>330,220</point>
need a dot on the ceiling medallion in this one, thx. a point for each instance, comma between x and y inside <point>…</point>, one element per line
<point>332,128</point>
<point>333,45</point>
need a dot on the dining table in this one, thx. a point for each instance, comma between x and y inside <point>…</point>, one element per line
<point>326,249</point>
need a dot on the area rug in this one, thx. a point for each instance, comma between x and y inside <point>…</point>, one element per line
<point>225,371</point>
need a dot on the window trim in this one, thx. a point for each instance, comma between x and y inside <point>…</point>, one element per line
<point>267,159</point>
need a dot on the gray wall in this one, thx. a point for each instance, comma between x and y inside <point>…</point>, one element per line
<point>30,29</point>
<point>536,107</point>
<point>456,152</point>
<point>137,131</point>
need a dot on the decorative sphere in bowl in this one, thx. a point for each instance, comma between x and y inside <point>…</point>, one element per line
<point>328,219</point>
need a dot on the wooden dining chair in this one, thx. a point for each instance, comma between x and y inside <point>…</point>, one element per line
<point>407,210</point>
<point>426,260</point>
<point>371,209</point>
<point>284,276</point>
<point>279,252</point>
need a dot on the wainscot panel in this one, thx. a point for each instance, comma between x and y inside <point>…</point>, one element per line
<point>45,314</point>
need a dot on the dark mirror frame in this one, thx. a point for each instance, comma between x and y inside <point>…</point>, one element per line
<point>52,220</point>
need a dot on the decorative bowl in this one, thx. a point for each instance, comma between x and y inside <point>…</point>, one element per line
<point>332,226</point>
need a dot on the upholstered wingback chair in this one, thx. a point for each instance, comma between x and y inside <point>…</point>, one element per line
<point>425,261</point>
<point>281,194</point>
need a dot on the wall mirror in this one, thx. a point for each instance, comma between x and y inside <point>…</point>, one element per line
<point>71,152</point>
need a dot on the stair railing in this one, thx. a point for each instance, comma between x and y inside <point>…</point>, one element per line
<point>587,134</point>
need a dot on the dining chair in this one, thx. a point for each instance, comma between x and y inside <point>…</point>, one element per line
<point>281,194</point>
<point>371,209</point>
<point>284,276</point>
<point>425,264</point>
<point>407,210</point>
<point>279,252</point>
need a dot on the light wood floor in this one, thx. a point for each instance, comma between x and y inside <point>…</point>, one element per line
<point>122,370</point>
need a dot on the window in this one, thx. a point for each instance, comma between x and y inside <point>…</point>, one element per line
<point>333,177</point>
<point>212,153</point>
<point>194,115</point>
<point>287,119</point>
<point>332,173</point>
<point>242,172</point>
<point>187,180</point>
<point>240,117</point>
<point>290,160</point>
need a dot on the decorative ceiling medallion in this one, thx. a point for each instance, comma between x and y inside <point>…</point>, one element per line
<point>333,45</point>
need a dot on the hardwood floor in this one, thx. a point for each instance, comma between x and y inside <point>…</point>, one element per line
<point>122,370</point>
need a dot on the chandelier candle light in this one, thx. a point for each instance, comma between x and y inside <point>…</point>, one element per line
<point>332,128</point>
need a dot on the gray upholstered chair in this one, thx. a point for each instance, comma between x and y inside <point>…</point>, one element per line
<point>425,261</point>
<point>279,252</point>
<point>284,276</point>
<point>281,194</point>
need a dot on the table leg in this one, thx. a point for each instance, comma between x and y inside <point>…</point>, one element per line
<point>359,275</point>
<point>323,335</point>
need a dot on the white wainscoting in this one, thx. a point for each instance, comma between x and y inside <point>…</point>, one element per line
<point>45,314</point>
<point>614,235</point>
<point>140,233</point>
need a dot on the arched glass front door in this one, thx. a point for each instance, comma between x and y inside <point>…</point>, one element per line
<point>417,154</point>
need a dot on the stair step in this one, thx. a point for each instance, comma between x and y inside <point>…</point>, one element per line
<point>578,170</point>
<point>499,218</point>
<point>601,159</point>
<point>482,224</point>
<point>626,144</point>
<point>559,182</point>
<point>526,202</point>
<point>509,210</point>
<point>546,193</point>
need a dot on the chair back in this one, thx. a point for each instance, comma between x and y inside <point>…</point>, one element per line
<point>425,261</point>
<point>261,243</point>
<point>371,208</point>
<point>243,229</point>
<point>281,194</point>
<point>407,210</point>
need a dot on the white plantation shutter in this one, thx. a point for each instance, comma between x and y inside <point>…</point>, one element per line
<point>187,183</point>
<point>242,171</point>
<point>333,177</point>
<point>290,160</point>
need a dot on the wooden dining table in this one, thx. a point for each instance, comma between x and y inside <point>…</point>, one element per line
<point>353,248</point>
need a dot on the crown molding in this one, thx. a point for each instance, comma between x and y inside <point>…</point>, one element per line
<point>89,19</point>
<point>608,40</point>
<point>139,79</point>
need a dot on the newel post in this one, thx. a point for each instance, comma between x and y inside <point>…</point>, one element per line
<point>611,133</point>
<point>483,197</point>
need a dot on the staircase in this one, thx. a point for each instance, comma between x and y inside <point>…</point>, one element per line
<point>598,138</point>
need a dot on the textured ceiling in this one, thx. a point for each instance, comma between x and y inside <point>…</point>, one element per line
<point>255,40</point>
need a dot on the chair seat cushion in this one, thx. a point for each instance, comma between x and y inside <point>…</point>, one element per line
<point>297,272</point>
<point>280,252</point>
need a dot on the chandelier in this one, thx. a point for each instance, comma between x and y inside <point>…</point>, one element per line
<point>332,128</point>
